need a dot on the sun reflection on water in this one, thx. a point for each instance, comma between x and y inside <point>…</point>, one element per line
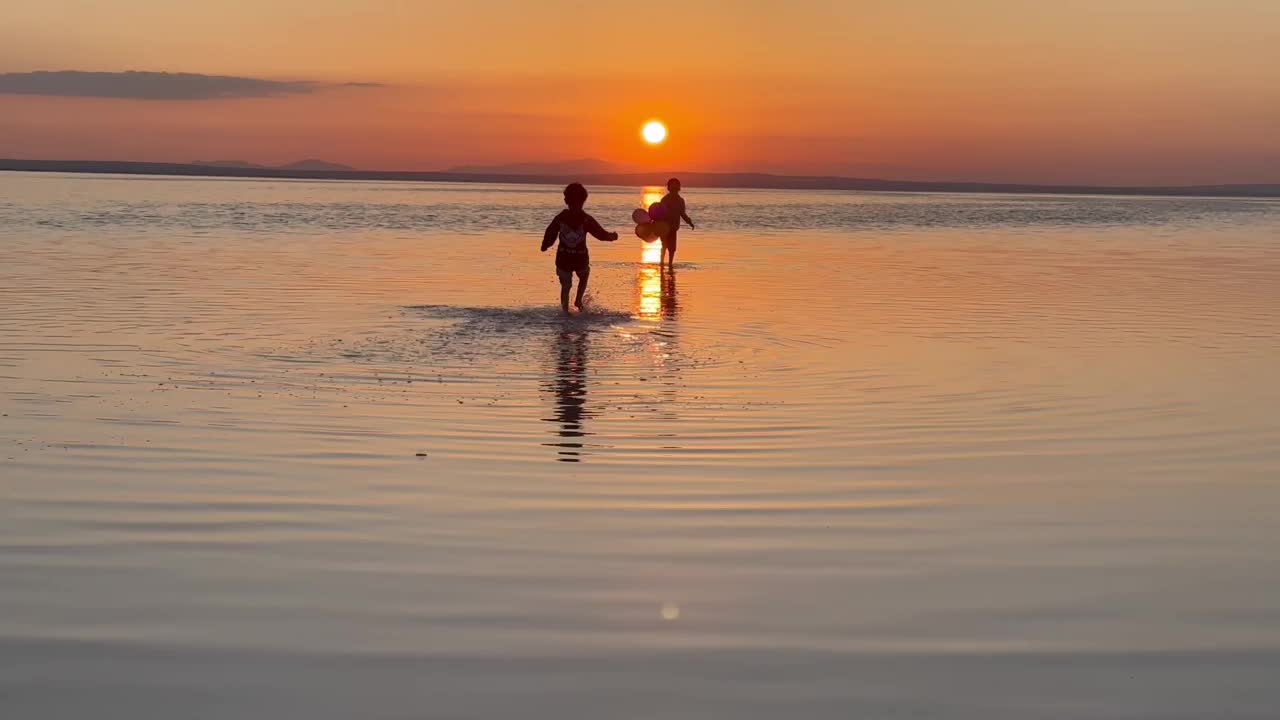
<point>651,195</point>
<point>651,253</point>
<point>649,280</point>
<point>650,283</point>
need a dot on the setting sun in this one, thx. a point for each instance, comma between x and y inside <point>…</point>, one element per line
<point>654,132</point>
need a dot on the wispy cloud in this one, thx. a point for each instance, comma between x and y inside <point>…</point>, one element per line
<point>139,85</point>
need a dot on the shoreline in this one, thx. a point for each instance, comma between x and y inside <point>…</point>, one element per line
<point>743,181</point>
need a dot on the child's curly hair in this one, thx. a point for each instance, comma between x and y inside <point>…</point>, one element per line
<point>575,195</point>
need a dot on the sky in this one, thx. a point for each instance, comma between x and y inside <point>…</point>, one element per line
<point>1086,91</point>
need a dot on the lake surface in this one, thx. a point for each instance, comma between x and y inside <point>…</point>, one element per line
<point>286,449</point>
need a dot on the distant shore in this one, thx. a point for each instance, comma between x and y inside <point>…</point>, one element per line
<point>760,181</point>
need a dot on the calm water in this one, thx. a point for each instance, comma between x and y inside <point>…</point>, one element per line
<point>328,450</point>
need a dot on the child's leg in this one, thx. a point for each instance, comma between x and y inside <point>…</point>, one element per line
<point>566,282</point>
<point>583,274</point>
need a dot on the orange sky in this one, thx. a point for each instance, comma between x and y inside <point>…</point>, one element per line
<point>1126,91</point>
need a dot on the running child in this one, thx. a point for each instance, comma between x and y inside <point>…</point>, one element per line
<point>570,228</point>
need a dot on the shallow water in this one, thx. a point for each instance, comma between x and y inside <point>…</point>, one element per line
<point>329,450</point>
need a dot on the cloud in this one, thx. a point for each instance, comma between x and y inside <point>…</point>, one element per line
<point>138,85</point>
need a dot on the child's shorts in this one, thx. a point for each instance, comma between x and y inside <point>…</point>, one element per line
<point>569,263</point>
<point>669,241</point>
<point>566,276</point>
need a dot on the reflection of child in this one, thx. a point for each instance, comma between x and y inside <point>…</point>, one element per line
<point>674,206</point>
<point>570,227</point>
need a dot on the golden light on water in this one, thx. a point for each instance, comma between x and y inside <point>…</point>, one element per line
<point>651,253</point>
<point>651,195</point>
<point>654,132</point>
<point>650,282</point>
<point>649,279</point>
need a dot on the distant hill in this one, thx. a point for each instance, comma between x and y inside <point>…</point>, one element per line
<point>585,166</point>
<point>309,165</point>
<point>313,165</point>
<point>227,164</point>
<point>635,179</point>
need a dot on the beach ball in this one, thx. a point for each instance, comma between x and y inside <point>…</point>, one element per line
<point>658,211</point>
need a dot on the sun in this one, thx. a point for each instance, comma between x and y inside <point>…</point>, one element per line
<point>654,132</point>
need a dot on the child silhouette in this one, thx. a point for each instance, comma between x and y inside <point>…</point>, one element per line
<point>570,228</point>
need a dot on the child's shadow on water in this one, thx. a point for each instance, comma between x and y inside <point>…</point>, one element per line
<point>569,385</point>
<point>476,335</point>
<point>670,296</point>
<point>571,351</point>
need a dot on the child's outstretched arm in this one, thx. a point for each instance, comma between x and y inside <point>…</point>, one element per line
<point>553,231</point>
<point>685,216</point>
<point>594,228</point>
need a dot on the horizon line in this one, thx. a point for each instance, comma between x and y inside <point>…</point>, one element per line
<point>723,180</point>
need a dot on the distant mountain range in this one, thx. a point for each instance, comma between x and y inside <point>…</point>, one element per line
<point>585,166</point>
<point>547,174</point>
<point>309,165</point>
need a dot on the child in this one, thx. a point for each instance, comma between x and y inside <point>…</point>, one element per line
<point>674,205</point>
<point>571,227</point>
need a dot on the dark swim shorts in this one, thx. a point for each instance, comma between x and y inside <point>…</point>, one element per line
<point>669,240</point>
<point>573,262</point>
